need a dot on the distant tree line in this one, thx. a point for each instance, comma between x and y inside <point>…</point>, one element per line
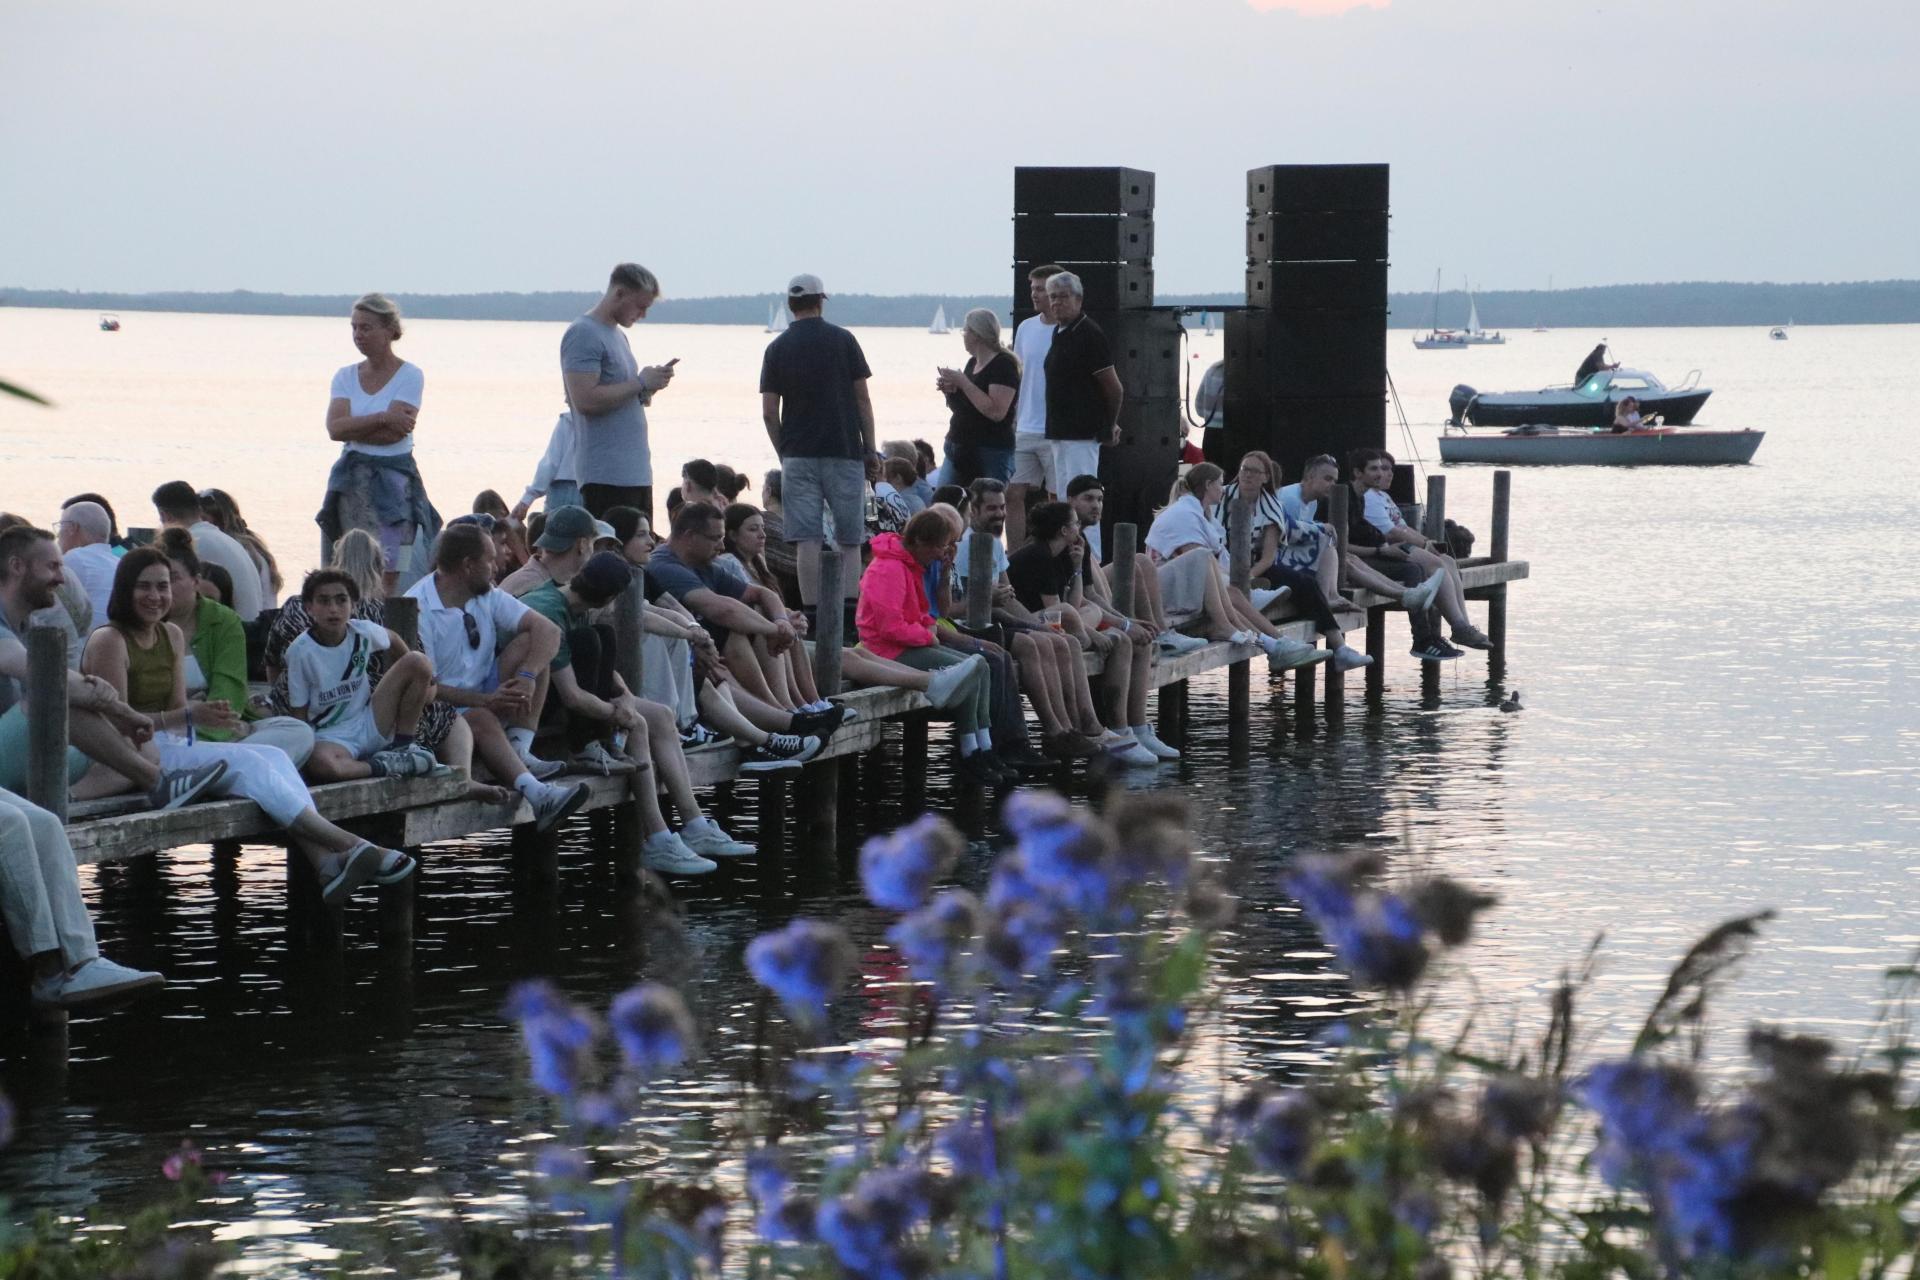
<point>1616,306</point>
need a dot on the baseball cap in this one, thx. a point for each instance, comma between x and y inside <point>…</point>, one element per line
<point>804,286</point>
<point>567,525</point>
<point>605,575</point>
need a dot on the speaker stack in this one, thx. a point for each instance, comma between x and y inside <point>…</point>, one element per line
<point>1306,362</point>
<point>1098,224</point>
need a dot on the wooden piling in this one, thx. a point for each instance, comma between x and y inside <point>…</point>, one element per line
<point>1303,697</point>
<point>47,719</point>
<point>829,623</point>
<point>1126,545</point>
<point>980,581</point>
<point>1377,649</point>
<point>1239,577</point>
<point>1497,598</point>
<point>629,648</point>
<point>1436,515</point>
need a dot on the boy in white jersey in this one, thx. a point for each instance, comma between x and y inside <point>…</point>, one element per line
<point>360,731</point>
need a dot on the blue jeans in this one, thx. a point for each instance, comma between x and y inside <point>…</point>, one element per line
<point>964,465</point>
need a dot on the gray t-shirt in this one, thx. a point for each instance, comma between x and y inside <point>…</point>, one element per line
<point>609,448</point>
<point>11,690</point>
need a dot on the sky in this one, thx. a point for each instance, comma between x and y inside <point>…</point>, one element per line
<point>456,146</point>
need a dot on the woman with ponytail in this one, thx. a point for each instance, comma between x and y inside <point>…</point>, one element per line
<point>980,435</point>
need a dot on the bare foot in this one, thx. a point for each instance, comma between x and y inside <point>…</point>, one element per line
<point>486,793</point>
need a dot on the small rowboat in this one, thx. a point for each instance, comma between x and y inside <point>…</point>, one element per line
<point>1601,447</point>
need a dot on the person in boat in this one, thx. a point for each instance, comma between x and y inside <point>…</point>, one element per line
<point>1596,361</point>
<point>1375,528</point>
<point>372,410</point>
<point>1626,415</point>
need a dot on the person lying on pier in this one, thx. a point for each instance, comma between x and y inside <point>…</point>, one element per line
<point>1046,579</point>
<point>1051,670</point>
<point>896,623</point>
<point>46,917</point>
<point>610,731</point>
<point>109,742</point>
<point>1185,542</point>
<point>216,658</point>
<point>1088,498</point>
<point>361,731</point>
<point>1371,471</point>
<point>488,650</point>
<point>1401,580</point>
<point>684,568</point>
<point>143,656</point>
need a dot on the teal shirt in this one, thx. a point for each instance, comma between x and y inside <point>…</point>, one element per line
<point>550,602</point>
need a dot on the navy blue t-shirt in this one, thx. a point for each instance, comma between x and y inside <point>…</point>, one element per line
<point>679,579</point>
<point>812,368</point>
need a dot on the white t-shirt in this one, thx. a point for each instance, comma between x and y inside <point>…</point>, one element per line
<point>405,386</point>
<point>218,548</point>
<point>92,567</point>
<point>1031,342</point>
<point>1381,512</point>
<point>331,681</point>
<point>443,634</point>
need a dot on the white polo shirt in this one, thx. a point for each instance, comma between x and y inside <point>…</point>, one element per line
<point>461,658</point>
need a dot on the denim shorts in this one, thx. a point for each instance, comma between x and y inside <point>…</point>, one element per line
<point>14,753</point>
<point>810,487</point>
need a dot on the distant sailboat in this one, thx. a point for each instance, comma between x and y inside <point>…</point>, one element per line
<point>1436,338</point>
<point>776,318</point>
<point>939,324</point>
<point>1206,320</point>
<point>1476,336</point>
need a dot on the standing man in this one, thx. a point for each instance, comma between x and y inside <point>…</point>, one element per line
<point>609,393</point>
<point>1032,456</point>
<point>813,399</point>
<point>178,506</point>
<point>1083,392</point>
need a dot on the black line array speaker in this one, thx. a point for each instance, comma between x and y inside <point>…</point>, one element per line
<point>1098,223</point>
<point>1082,190</point>
<point>1069,238</point>
<point>1140,470</point>
<point>1106,286</point>
<point>1349,236</point>
<point>1317,188</point>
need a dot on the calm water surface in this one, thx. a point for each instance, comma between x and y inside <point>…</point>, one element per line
<point>1717,668</point>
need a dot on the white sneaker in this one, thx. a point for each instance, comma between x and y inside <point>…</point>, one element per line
<point>540,769</point>
<point>704,836</point>
<point>1346,658</point>
<point>1180,642</point>
<point>1244,638</point>
<point>1284,654</point>
<point>1420,599</point>
<point>1264,596</point>
<point>596,759</point>
<point>554,805</point>
<point>1147,738</point>
<point>946,686</point>
<point>669,855</point>
<point>97,979</point>
<point>1133,754</point>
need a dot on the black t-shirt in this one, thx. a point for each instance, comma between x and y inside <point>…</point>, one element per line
<point>1033,572</point>
<point>972,429</point>
<point>1076,407</point>
<point>812,368</point>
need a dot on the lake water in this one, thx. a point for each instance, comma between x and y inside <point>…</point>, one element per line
<point>1717,665</point>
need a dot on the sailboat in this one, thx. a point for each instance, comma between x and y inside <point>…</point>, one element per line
<point>1436,338</point>
<point>939,324</point>
<point>776,318</point>
<point>1206,320</point>
<point>1475,336</point>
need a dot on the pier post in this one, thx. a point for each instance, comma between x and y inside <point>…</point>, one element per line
<point>400,615</point>
<point>47,719</point>
<point>979,582</point>
<point>1436,514</point>
<point>776,834</point>
<point>1172,716</point>
<point>1497,598</point>
<point>829,626</point>
<point>1239,577</point>
<point>1126,545</point>
<point>1377,649</point>
<point>1303,698</point>
<point>629,650</point>
<point>913,758</point>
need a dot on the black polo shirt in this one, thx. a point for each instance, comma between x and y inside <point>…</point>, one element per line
<point>1034,572</point>
<point>1076,407</point>
<point>812,368</point>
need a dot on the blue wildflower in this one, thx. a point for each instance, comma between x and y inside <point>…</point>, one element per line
<point>934,938</point>
<point>1066,855</point>
<point>1377,935</point>
<point>1645,1108</point>
<point>831,1074</point>
<point>898,870</point>
<point>1278,1129</point>
<point>803,965</point>
<point>601,1110</point>
<point>1021,939</point>
<point>558,1035</point>
<point>964,1143</point>
<point>653,1028</point>
<point>868,1228</point>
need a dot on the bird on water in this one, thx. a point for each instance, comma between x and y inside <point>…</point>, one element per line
<point>1511,702</point>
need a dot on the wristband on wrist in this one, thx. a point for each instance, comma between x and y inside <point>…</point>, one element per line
<point>524,674</point>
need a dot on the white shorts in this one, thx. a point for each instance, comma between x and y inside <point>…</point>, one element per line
<point>1071,460</point>
<point>361,736</point>
<point>1032,460</point>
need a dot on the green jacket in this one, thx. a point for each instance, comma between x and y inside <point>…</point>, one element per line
<point>220,647</point>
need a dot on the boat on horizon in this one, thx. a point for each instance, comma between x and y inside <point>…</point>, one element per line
<point>1436,338</point>
<point>776,317</point>
<point>109,322</point>
<point>939,324</point>
<point>1536,445</point>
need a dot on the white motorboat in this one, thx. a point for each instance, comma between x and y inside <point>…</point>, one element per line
<point>1600,446</point>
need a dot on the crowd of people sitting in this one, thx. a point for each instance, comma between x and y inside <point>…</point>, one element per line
<point>187,680</point>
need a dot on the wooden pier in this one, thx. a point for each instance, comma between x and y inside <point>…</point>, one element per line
<point>413,812</point>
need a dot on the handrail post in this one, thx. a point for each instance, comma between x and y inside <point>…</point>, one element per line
<point>1337,517</point>
<point>1502,507</point>
<point>980,580</point>
<point>1126,544</point>
<point>829,622</point>
<point>1436,515</point>
<point>47,719</point>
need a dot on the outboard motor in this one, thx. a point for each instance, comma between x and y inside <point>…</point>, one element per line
<point>1463,395</point>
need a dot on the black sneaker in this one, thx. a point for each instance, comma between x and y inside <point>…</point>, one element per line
<point>1026,760</point>
<point>978,769</point>
<point>1472,638</point>
<point>782,751</point>
<point>183,786</point>
<point>819,724</point>
<point>1435,650</point>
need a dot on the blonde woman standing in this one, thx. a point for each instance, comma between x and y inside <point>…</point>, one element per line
<point>372,410</point>
<point>981,395</point>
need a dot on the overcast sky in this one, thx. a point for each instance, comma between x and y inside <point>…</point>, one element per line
<point>466,145</point>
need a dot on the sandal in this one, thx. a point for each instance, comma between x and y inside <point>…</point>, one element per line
<point>358,866</point>
<point>395,866</point>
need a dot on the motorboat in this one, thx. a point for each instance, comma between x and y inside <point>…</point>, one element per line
<point>1601,446</point>
<point>109,323</point>
<point>1778,333</point>
<point>1587,403</point>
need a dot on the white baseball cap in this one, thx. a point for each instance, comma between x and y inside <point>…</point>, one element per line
<point>804,286</point>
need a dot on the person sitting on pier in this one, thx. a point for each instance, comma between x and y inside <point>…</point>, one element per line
<point>1372,473</point>
<point>509,535</point>
<point>104,734</point>
<point>143,656</point>
<point>361,731</point>
<point>216,658</point>
<point>220,510</point>
<point>1046,577</point>
<point>896,623</point>
<point>1051,670</point>
<point>684,568</point>
<point>487,649</point>
<point>779,552</point>
<point>610,731</point>
<point>894,489</point>
<point>729,484</point>
<point>84,531</point>
<point>566,540</point>
<point>1088,497</point>
<point>700,482</point>
<point>179,508</point>
<point>1185,542</point>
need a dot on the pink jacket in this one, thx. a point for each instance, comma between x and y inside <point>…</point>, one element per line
<point>892,614</point>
